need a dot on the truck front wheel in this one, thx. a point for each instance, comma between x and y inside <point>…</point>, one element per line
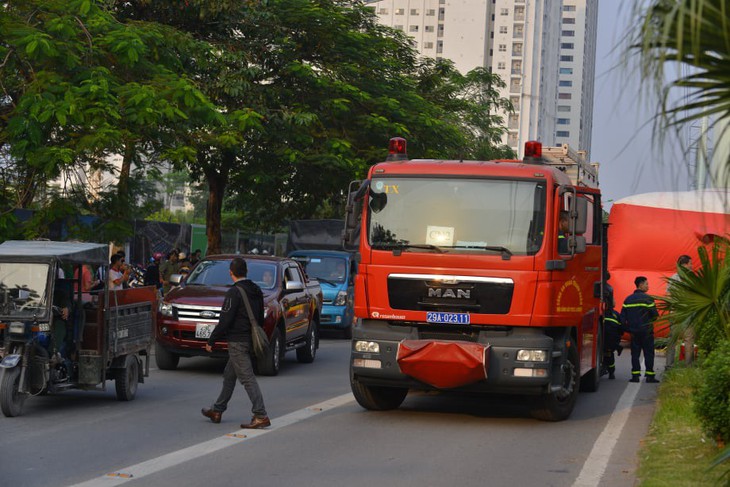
<point>376,398</point>
<point>557,406</point>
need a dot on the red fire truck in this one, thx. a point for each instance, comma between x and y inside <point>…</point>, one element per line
<point>469,281</point>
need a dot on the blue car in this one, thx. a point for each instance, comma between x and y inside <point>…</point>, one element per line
<point>335,272</point>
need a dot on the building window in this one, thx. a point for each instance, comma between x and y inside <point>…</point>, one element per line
<point>502,29</point>
<point>564,82</point>
<point>564,108</point>
<point>517,49</point>
<point>568,8</point>
<point>413,28</point>
<point>502,48</point>
<point>567,45</point>
<point>518,32</point>
<point>428,45</point>
<point>563,133</point>
<point>429,28</point>
<point>563,121</point>
<point>569,20</point>
<point>516,66</point>
<point>501,65</point>
<point>383,11</point>
<point>515,100</point>
<point>568,33</point>
<point>400,11</point>
<point>566,70</point>
<point>566,58</point>
<point>430,12</point>
<point>504,11</point>
<point>398,27</point>
<point>414,11</point>
<point>564,96</point>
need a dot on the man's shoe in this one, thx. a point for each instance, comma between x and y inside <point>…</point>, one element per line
<point>652,380</point>
<point>634,379</point>
<point>257,423</point>
<point>215,416</point>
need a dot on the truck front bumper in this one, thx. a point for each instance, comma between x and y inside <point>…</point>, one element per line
<point>520,360</point>
<point>334,317</point>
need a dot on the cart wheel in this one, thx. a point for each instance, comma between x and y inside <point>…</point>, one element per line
<point>127,378</point>
<point>11,401</point>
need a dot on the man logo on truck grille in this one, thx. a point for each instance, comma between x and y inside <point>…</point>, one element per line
<point>449,293</point>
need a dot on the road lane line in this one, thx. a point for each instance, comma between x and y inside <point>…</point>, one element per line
<point>172,459</point>
<point>595,465</point>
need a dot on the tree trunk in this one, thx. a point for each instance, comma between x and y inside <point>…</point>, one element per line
<point>128,157</point>
<point>217,182</point>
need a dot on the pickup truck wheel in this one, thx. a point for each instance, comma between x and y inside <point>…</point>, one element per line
<point>307,353</point>
<point>377,398</point>
<point>557,406</point>
<point>127,378</point>
<point>164,359</point>
<point>11,401</point>
<point>271,363</point>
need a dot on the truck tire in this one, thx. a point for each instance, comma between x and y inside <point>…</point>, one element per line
<point>165,359</point>
<point>557,406</point>
<point>306,354</point>
<point>271,363</point>
<point>592,380</point>
<point>376,398</point>
<point>11,401</point>
<point>127,378</point>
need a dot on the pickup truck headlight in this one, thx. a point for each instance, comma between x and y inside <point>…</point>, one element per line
<point>341,298</point>
<point>165,309</point>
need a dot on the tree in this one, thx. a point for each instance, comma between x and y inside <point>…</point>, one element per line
<point>79,86</point>
<point>695,36</point>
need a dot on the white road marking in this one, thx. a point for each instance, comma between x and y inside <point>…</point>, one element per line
<point>595,466</point>
<point>172,459</point>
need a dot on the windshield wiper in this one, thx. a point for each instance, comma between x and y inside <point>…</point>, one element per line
<point>506,253</point>
<point>399,247</point>
<point>327,281</point>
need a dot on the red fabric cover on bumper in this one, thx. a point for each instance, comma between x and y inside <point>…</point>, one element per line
<point>443,364</point>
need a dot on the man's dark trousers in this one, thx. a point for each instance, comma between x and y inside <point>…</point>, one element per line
<point>642,341</point>
<point>239,367</point>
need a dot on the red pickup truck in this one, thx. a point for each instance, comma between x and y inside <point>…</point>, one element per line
<point>189,312</point>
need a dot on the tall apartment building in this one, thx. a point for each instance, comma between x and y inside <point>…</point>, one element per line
<point>544,50</point>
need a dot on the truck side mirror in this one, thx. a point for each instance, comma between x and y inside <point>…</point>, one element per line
<point>581,215</point>
<point>579,244</point>
<point>356,192</point>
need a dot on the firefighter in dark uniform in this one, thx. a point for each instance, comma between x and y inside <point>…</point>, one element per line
<point>638,314</point>
<point>612,331</point>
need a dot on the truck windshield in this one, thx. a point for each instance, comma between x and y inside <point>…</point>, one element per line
<point>327,269</point>
<point>215,273</point>
<point>22,289</point>
<point>425,214</point>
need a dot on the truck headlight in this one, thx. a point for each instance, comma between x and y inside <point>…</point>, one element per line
<point>532,355</point>
<point>341,298</point>
<point>370,347</point>
<point>165,309</point>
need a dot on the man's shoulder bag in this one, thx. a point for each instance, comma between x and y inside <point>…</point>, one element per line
<point>258,334</point>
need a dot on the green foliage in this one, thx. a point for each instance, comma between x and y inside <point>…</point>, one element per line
<point>699,300</point>
<point>713,397</point>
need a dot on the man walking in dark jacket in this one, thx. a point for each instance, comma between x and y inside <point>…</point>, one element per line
<point>638,313</point>
<point>234,325</point>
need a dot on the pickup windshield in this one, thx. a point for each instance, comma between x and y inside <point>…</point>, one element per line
<point>456,215</point>
<point>215,273</point>
<point>22,289</point>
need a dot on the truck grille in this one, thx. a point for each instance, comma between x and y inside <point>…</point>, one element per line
<point>457,294</point>
<point>200,314</point>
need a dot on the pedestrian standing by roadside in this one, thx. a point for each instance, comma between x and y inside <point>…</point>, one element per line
<point>234,325</point>
<point>167,269</point>
<point>638,314</point>
<point>612,331</point>
<point>117,275</point>
<point>686,262</point>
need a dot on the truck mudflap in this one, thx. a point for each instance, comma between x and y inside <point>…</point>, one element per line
<point>444,364</point>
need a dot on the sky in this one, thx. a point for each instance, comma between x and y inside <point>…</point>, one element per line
<point>630,162</point>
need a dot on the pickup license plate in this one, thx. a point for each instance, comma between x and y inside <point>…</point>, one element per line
<point>452,318</point>
<point>203,330</point>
